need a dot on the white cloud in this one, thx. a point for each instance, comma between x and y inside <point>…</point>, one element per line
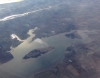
<point>8,1</point>
<point>13,36</point>
<point>26,13</point>
<point>41,42</point>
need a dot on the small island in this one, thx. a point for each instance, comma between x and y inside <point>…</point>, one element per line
<point>37,52</point>
<point>73,35</point>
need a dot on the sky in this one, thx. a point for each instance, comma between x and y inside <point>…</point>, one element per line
<point>9,1</point>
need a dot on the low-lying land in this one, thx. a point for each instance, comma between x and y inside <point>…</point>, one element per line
<point>5,56</point>
<point>80,61</point>
<point>73,35</point>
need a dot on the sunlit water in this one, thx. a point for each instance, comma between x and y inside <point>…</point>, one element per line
<point>19,68</point>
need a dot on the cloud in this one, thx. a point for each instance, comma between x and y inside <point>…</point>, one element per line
<point>9,1</point>
<point>24,14</point>
<point>40,41</point>
<point>13,36</point>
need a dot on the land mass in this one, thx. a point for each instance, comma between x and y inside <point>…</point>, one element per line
<point>80,61</point>
<point>5,56</point>
<point>73,35</point>
<point>37,52</point>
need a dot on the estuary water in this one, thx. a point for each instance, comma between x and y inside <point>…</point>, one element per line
<point>19,68</point>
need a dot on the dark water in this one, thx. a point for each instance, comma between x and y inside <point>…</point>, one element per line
<point>19,68</point>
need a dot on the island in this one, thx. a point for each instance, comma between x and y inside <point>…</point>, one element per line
<point>37,52</point>
<point>73,35</point>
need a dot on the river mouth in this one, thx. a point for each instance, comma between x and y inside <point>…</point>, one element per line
<point>20,68</point>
